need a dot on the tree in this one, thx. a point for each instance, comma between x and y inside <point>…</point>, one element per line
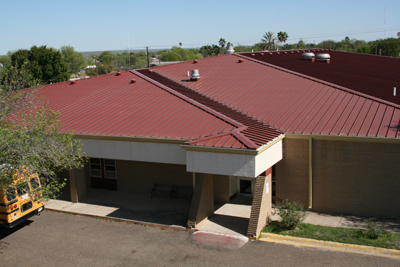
<point>282,37</point>
<point>215,49</point>
<point>30,138</point>
<point>73,58</point>
<point>46,65</point>
<point>268,39</point>
<point>206,50</point>
<point>301,45</point>
<point>388,47</point>
<point>222,42</point>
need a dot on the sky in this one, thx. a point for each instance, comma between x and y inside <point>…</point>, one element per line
<point>101,25</point>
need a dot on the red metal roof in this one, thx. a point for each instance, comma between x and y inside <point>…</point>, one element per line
<point>239,102</point>
<point>252,133</point>
<point>368,74</point>
<point>288,101</point>
<point>111,105</point>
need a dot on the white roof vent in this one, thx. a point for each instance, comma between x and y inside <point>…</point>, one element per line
<point>195,75</point>
<point>308,55</point>
<point>229,50</point>
<point>323,57</point>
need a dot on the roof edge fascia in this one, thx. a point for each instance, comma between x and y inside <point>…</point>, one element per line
<point>130,138</point>
<point>319,81</point>
<point>344,138</point>
<point>247,151</point>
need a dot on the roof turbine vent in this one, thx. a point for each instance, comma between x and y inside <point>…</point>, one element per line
<point>195,75</point>
<point>229,50</point>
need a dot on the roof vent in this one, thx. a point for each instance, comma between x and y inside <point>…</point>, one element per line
<point>308,55</point>
<point>150,70</point>
<point>229,50</point>
<point>252,54</point>
<point>195,61</point>
<point>133,81</point>
<point>323,57</point>
<point>119,73</point>
<point>195,75</point>
<point>72,82</point>
<point>262,54</point>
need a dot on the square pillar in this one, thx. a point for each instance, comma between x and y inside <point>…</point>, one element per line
<point>262,203</point>
<point>202,201</point>
<point>77,183</point>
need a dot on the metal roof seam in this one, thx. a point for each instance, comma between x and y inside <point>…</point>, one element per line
<point>189,100</point>
<point>319,81</point>
<point>219,102</point>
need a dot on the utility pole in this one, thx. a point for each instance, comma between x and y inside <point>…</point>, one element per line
<point>147,52</point>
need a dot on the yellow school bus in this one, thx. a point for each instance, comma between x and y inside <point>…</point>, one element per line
<point>17,205</point>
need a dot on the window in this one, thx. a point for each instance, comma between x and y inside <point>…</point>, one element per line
<point>109,169</point>
<point>103,168</point>
<point>95,167</point>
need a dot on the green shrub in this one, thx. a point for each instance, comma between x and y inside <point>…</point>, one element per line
<point>373,232</point>
<point>291,215</point>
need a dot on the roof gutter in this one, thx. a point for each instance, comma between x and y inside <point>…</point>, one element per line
<point>345,138</point>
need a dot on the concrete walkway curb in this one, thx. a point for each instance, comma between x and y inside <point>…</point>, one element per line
<point>219,240</point>
<point>391,253</point>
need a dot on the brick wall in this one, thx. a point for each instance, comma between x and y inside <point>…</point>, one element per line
<point>221,188</point>
<point>261,206</point>
<point>203,201</point>
<point>357,178</point>
<point>291,173</point>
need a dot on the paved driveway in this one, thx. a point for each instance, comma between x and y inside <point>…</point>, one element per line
<point>58,239</point>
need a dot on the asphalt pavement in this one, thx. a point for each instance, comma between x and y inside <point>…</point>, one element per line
<point>60,239</point>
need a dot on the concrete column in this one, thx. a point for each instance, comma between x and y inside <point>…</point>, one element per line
<point>77,184</point>
<point>203,200</point>
<point>262,203</point>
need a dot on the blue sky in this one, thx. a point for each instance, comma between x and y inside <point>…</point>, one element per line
<point>104,25</point>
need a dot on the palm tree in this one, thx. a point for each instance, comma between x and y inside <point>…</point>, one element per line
<point>268,40</point>
<point>282,37</point>
<point>222,42</point>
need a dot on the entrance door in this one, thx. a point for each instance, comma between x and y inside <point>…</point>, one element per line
<point>245,186</point>
<point>103,173</point>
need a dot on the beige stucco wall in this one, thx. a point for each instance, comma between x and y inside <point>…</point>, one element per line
<point>358,178</point>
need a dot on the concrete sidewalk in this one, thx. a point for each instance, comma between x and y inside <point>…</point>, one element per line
<point>230,218</point>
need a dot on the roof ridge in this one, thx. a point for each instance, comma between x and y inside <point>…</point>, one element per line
<point>189,100</point>
<point>318,80</point>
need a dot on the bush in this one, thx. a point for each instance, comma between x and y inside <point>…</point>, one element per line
<point>291,215</point>
<point>373,232</point>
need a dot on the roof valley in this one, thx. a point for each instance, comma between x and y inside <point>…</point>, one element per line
<point>256,131</point>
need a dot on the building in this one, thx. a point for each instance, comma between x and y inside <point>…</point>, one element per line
<point>323,131</point>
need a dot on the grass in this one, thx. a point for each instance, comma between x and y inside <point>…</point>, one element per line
<point>336,234</point>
